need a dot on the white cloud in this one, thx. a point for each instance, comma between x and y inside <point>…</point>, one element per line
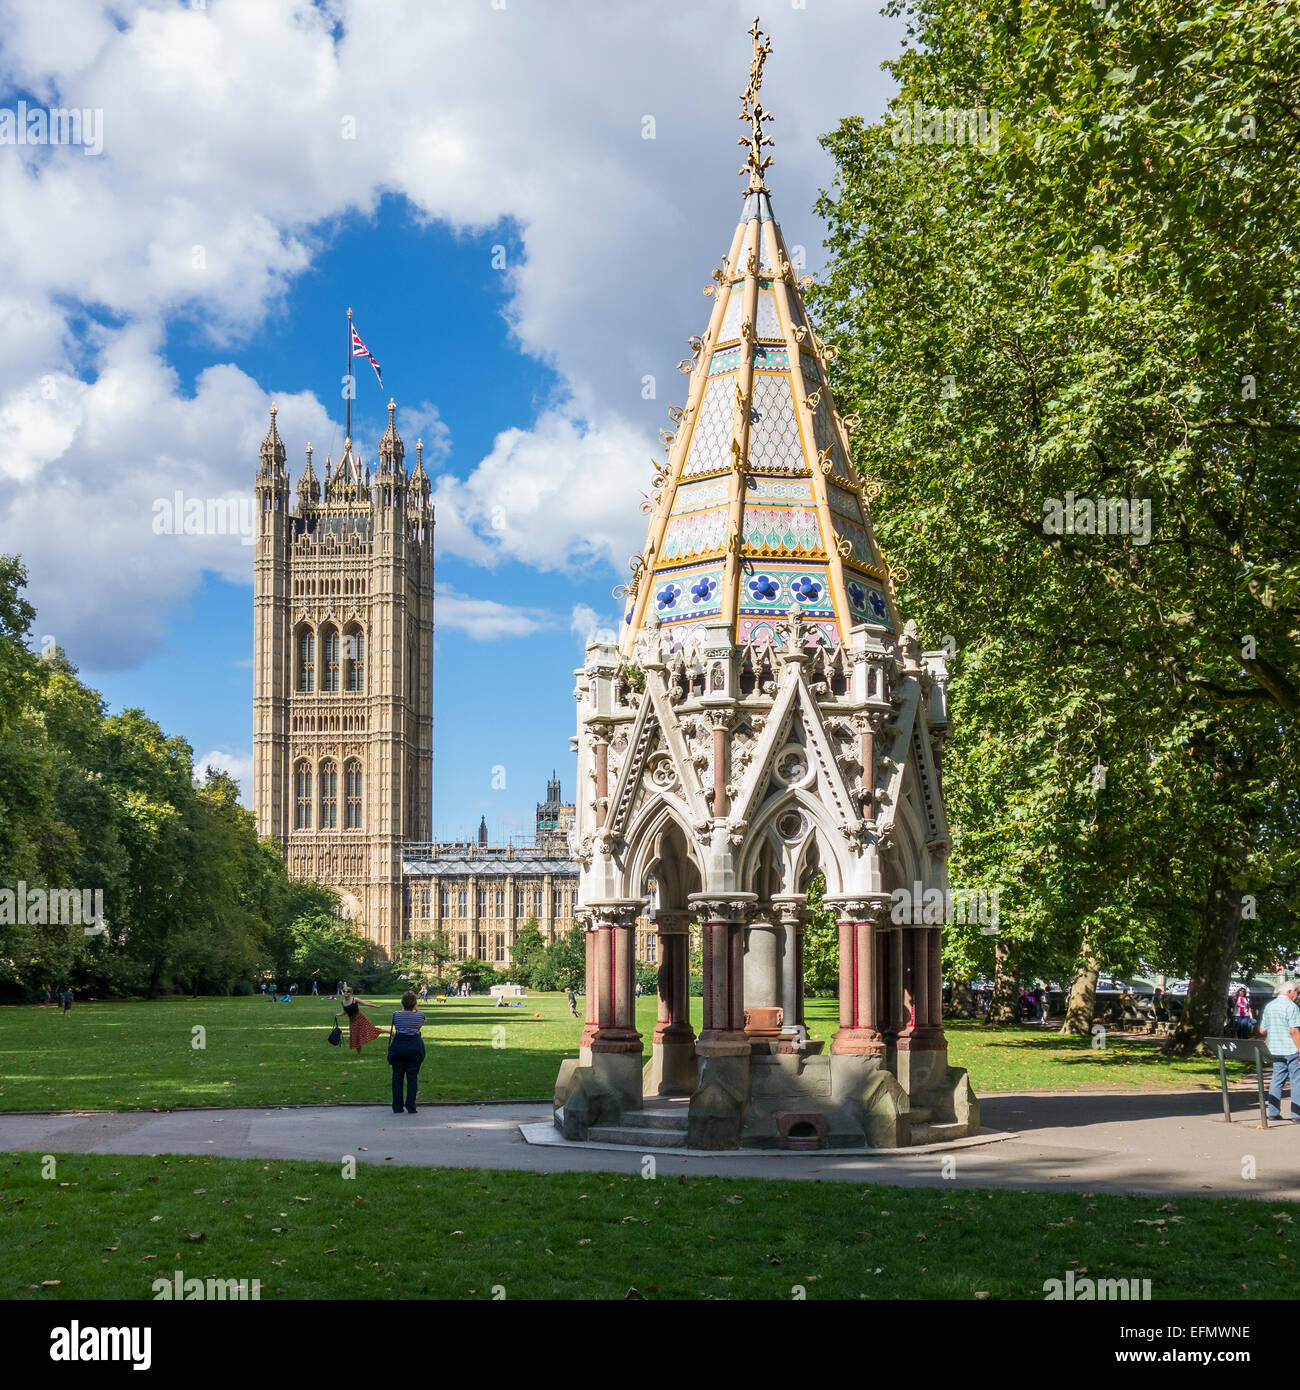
<point>486,620</point>
<point>589,625</point>
<point>226,163</point>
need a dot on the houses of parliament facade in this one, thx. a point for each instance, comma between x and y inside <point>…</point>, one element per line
<point>343,714</point>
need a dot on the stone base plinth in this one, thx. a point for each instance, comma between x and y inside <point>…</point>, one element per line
<point>673,1070</point>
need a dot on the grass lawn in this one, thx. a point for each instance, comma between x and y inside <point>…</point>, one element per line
<point>140,1055</point>
<point>107,1227</point>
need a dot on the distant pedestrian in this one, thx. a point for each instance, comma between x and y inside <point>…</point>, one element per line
<point>406,1052</point>
<point>1280,1025</point>
<point>315,989</point>
<point>1044,1001</point>
<point>573,1002</point>
<point>275,990</point>
<point>66,1000</point>
<point>360,1029</point>
<point>1242,1017</point>
<point>293,988</point>
<point>49,998</point>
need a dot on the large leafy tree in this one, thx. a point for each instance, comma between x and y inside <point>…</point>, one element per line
<point>1101,306</point>
<point>110,804</point>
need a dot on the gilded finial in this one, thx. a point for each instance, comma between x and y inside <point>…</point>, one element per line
<point>752,111</point>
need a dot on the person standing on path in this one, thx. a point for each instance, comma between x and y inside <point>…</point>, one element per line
<point>1280,1025</point>
<point>406,1052</point>
<point>360,1029</point>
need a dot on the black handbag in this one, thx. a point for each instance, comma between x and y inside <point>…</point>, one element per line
<point>335,1037</point>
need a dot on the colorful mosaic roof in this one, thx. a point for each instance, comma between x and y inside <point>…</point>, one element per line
<point>758,508</point>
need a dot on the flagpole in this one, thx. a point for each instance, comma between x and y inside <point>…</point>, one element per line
<point>348,375</point>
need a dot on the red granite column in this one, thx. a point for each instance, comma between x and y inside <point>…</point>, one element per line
<point>892,996</point>
<point>923,989</point>
<point>674,1016</point>
<point>934,959</point>
<point>723,1034</point>
<point>615,979</point>
<point>589,1023</point>
<point>859,1030</point>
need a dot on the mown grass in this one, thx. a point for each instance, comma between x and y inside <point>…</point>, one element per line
<point>108,1226</point>
<point>141,1055</point>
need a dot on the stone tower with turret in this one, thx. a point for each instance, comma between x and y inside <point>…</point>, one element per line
<point>343,672</point>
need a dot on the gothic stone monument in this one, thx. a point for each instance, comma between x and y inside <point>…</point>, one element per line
<point>766,717</point>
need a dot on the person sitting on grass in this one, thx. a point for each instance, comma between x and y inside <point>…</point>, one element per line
<point>360,1029</point>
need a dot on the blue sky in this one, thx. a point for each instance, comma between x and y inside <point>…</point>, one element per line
<point>520,202</point>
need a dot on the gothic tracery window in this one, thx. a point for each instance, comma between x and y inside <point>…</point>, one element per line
<point>329,642</point>
<point>354,658</point>
<point>352,796</point>
<point>329,796</point>
<point>306,659</point>
<point>302,797</point>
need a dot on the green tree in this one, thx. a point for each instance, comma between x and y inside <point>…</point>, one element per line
<point>1101,307</point>
<point>528,954</point>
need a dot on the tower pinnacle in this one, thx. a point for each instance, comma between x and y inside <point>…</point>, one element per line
<point>755,113</point>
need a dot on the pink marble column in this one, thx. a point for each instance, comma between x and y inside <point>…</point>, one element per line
<point>859,1030</point>
<point>615,937</point>
<point>723,1034</point>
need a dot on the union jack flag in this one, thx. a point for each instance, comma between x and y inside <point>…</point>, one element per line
<point>359,349</point>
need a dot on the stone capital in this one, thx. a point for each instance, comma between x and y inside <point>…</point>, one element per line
<point>790,911</point>
<point>672,922</point>
<point>615,912</point>
<point>723,907</point>
<point>870,907</point>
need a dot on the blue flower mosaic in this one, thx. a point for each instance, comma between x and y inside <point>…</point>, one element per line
<point>667,597</point>
<point>806,589</point>
<point>878,603</point>
<point>857,595</point>
<point>703,591</point>
<point>764,588</point>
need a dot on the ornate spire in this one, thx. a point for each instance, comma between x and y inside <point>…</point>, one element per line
<point>308,487</point>
<point>757,508</point>
<point>392,452</point>
<point>272,451</point>
<point>419,478</point>
<point>753,112</point>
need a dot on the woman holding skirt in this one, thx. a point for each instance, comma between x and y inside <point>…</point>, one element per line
<point>360,1029</point>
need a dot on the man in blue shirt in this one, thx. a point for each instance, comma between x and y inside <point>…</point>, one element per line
<point>1280,1024</point>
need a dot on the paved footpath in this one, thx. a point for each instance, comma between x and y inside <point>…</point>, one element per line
<point>1167,1142</point>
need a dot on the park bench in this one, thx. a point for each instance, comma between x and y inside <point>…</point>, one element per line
<point>1242,1049</point>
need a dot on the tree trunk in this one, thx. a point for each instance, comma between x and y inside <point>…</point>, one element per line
<point>1002,1007</point>
<point>1216,952</point>
<point>963,1000</point>
<point>1081,1001</point>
